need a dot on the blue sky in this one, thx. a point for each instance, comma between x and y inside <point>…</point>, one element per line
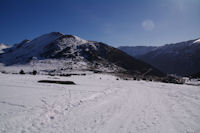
<point>115,22</point>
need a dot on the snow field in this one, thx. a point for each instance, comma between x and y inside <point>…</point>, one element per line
<point>98,103</point>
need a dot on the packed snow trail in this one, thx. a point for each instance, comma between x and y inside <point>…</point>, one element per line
<point>97,104</point>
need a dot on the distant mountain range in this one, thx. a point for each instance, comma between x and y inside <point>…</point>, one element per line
<point>137,51</point>
<point>68,52</point>
<point>181,58</point>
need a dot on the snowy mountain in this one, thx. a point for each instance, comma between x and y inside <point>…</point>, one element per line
<point>3,47</point>
<point>59,52</point>
<point>180,58</point>
<point>136,51</point>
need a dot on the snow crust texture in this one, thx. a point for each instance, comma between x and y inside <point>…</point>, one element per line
<point>97,104</point>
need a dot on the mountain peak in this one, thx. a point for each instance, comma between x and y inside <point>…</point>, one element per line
<point>197,41</point>
<point>56,33</point>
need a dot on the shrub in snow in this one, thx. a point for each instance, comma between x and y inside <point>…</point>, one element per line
<point>173,79</point>
<point>144,78</point>
<point>4,72</point>
<point>22,72</point>
<point>34,72</point>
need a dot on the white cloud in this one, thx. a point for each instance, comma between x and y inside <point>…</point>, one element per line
<point>148,25</point>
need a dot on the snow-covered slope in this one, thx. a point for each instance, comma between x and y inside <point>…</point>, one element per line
<point>44,51</point>
<point>97,104</point>
<point>24,51</point>
<point>65,52</point>
<point>197,41</point>
<point>2,47</point>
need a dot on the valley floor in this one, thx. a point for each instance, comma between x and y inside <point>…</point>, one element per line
<point>96,104</point>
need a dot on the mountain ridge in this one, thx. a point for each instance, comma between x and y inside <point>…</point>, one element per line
<point>136,51</point>
<point>69,50</point>
<point>181,58</point>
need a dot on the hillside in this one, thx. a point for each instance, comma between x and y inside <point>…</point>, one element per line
<point>57,51</point>
<point>181,58</point>
<point>136,51</point>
